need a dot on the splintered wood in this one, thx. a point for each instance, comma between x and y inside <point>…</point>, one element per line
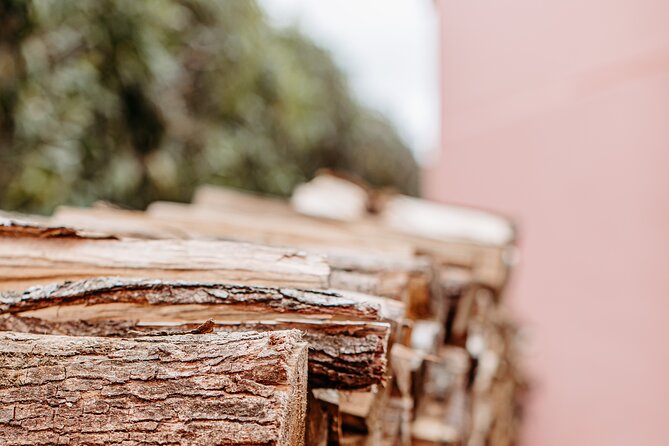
<point>347,316</point>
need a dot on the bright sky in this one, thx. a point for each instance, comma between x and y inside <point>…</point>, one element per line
<point>389,50</point>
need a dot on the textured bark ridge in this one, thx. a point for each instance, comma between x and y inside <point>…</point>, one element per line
<point>225,389</point>
<point>348,339</point>
<point>27,261</point>
<point>159,292</point>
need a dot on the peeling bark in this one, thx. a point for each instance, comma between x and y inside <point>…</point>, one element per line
<point>348,339</point>
<point>164,292</point>
<point>10,227</point>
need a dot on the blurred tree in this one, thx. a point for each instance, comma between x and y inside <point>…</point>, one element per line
<point>132,101</point>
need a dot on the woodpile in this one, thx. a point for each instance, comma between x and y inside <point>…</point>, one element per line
<point>347,316</point>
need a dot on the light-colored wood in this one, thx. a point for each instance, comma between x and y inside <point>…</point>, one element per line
<point>232,388</point>
<point>29,260</point>
<point>287,228</point>
<point>490,262</point>
<point>353,267</point>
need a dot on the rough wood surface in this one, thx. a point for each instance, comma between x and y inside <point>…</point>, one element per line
<point>146,292</point>
<point>26,261</point>
<point>348,338</point>
<point>236,388</point>
<point>366,262</point>
<point>342,355</point>
<point>353,266</point>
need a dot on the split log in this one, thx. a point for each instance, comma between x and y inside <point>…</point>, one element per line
<point>359,262</point>
<point>287,228</point>
<point>26,261</point>
<point>348,334</point>
<point>439,231</point>
<point>454,235</point>
<point>236,388</point>
<point>393,272</point>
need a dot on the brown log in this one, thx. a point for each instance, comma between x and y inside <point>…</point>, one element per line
<point>152,294</point>
<point>26,261</point>
<point>228,389</point>
<point>343,355</point>
<point>348,334</point>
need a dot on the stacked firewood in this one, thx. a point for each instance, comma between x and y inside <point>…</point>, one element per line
<point>347,316</point>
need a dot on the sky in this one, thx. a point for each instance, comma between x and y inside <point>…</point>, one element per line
<point>388,49</point>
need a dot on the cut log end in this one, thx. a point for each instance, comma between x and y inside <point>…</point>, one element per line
<point>231,388</point>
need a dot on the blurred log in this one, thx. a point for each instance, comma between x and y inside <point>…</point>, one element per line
<point>453,235</point>
<point>443,405</point>
<point>286,228</point>
<point>237,388</point>
<point>122,222</point>
<point>440,231</point>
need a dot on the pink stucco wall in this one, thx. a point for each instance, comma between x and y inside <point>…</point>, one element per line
<point>558,114</point>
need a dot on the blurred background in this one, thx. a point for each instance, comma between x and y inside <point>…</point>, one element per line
<point>135,101</point>
<point>553,113</point>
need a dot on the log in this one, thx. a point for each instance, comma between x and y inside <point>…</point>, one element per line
<point>348,334</point>
<point>26,261</point>
<point>117,296</point>
<point>442,404</point>
<point>364,263</point>
<point>234,389</point>
<point>431,231</point>
<point>453,235</point>
<point>287,228</point>
<point>353,267</point>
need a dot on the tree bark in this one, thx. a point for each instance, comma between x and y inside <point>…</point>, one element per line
<point>348,336</point>
<point>234,388</point>
<point>390,274</point>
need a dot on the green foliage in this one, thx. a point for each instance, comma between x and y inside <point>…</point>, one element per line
<point>132,101</point>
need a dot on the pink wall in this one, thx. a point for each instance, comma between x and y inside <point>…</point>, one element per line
<point>558,113</point>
